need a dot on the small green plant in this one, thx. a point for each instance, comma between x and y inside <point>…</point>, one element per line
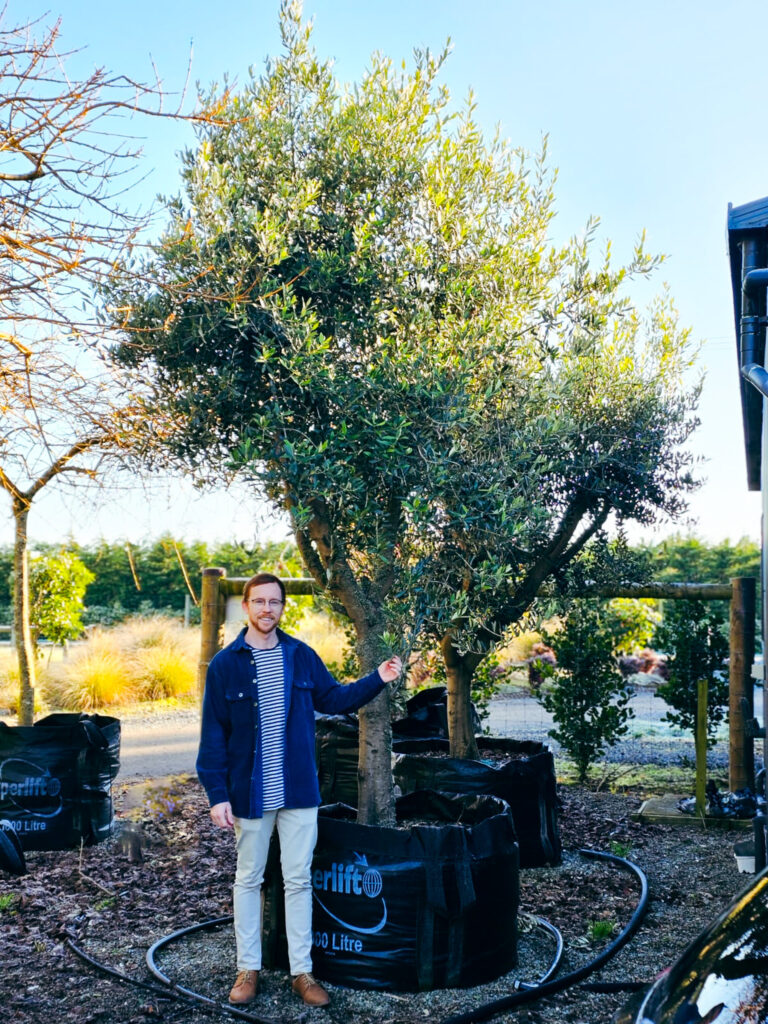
<point>599,931</point>
<point>587,698</point>
<point>8,901</point>
<point>619,849</point>
<point>105,904</point>
<point>57,586</point>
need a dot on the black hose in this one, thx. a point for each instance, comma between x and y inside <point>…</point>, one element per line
<point>531,995</point>
<point>186,997</point>
<point>188,992</point>
<point>527,991</point>
<point>553,968</point>
<point>114,973</point>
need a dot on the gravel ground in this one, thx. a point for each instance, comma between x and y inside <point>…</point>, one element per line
<point>115,902</point>
<point>650,739</point>
<point>116,899</point>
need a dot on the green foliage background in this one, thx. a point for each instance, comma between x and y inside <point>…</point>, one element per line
<point>112,592</point>
<point>695,636</point>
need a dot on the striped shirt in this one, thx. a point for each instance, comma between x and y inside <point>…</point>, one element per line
<point>271,697</point>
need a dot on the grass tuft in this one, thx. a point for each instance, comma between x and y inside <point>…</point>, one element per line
<point>599,931</point>
<point>95,679</point>
<point>163,672</point>
<point>140,659</point>
<point>8,901</point>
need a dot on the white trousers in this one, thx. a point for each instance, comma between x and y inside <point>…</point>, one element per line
<point>297,830</point>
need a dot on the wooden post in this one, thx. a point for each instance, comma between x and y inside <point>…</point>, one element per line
<point>701,747</point>
<point>211,622</point>
<point>741,710</point>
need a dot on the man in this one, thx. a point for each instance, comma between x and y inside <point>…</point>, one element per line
<point>257,765</point>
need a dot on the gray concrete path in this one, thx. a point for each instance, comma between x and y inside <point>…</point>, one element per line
<point>154,747</point>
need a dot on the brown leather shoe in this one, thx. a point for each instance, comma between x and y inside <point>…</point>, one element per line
<point>311,992</point>
<point>244,989</point>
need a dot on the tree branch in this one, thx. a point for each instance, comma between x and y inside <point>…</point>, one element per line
<point>587,535</point>
<point>61,464</point>
<point>384,578</point>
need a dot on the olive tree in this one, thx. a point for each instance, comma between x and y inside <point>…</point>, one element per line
<point>338,263</point>
<point>356,307</point>
<point>587,426</point>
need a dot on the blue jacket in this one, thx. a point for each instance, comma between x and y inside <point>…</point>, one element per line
<point>229,759</point>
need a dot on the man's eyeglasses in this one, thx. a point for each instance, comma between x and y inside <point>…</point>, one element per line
<point>259,602</point>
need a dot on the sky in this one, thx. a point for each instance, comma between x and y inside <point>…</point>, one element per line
<point>654,115</point>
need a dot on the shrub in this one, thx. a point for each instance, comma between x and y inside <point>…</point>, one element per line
<point>694,634</point>
<point>95,679</point>
<point>142,658</point>
<point>587,698</point>
<point>634,621</point>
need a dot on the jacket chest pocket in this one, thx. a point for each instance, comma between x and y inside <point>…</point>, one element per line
<point>301,693</point>
<point>239,701</point>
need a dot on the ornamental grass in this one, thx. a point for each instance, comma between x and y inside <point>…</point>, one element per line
<point>140,659</point>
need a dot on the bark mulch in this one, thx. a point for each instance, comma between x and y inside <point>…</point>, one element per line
<point>168,867</point>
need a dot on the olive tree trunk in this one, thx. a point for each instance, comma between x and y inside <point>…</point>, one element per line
<point>375,788</point>
<point>459,669</point>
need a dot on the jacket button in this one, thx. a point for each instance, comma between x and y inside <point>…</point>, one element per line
<point>255,703</point>
<point>239,695</point>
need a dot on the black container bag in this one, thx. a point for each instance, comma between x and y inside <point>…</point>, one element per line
<point>430,905</point>
<point>56,778</point>
<point>521,772</point>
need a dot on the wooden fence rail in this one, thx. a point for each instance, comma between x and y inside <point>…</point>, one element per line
<point>741,592</point>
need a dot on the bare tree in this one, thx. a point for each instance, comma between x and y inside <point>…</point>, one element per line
<point>59,423</point>
<point>66,165</point>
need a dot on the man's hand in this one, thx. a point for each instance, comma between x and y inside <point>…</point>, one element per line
<point>390,670</point>
<point>221,815</point>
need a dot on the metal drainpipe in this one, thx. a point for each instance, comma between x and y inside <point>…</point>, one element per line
<point>760,844</point>
<point>754,283</point>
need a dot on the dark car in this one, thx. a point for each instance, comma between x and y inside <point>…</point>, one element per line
<point>721,978</point>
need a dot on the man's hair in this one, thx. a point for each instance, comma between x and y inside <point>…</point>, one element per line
<point>263,577</point>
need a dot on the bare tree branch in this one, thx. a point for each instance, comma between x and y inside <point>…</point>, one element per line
<point>66,167</point>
